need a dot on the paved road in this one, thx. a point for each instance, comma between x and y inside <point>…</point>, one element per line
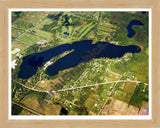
<point>97,85</point>
<point>26,108</point>
<point>30,88</point>
<point>128,80</point>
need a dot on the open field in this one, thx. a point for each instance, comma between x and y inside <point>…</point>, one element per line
<point>29,38</point>
<point>44,22</point>
<point>117,107</point>
<point>42,34</point>
<point>42,107</point>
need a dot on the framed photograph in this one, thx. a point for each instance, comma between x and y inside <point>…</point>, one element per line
<point>86,63</point>
<point>81,66</point>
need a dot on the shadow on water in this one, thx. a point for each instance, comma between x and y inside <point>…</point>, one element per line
<point>83,52</point>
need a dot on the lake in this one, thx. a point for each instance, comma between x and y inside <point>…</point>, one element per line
<point>63,111</point>
<point>66,33</point>
<point>131,32</point>
<point>83,51</point>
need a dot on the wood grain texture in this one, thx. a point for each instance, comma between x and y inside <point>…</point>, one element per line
<point>6,4</point>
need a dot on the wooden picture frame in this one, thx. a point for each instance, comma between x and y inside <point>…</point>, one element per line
<point>4,61</point>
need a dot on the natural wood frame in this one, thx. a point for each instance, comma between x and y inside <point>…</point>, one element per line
<point>6,4</point>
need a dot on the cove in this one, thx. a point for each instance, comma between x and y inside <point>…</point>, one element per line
<point>83,51</point>
<point>131,32</point>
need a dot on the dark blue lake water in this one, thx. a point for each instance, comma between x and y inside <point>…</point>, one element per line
<point>83,52</point>
<point>143,12</point>
<point>131,32</point>
<point>66,33</point>
<point>63,111</point>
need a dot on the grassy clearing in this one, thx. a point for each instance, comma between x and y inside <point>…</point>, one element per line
<point>49,84</point>
<point>105,29</point>
<point>75,30</point>
<point>21,24</point>
<point>31,20</point>
<point>101,28</point>
<point>84,28</point>
<point>142,71</point>
<point>43,34</point>
<point>37,14</point>
<point>107,25</point>
<point>29,38</point>
<point>24,43</point>
<point>87,31</point>
<point>112,77</point>
<point>123,96</point>
<point>72,113</point>
<point>91,34</point>
<point>64,29</point>
<point>19,45</point>
<point>45,85</point>
<point>89,103</point>
<point>28,20</point>
<point>25,112</point>
<point>140,94</point>
<point>13,57</point>
<point>16,32</point>
<point>70,28</point>
<point>44,22</point>
<point>103,34</point>
<point>129,87</point>
<point>105,93</point>
<point>40,106</point>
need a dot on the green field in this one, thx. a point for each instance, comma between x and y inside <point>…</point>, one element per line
<point>29,39</point>
<point>42,34</point>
